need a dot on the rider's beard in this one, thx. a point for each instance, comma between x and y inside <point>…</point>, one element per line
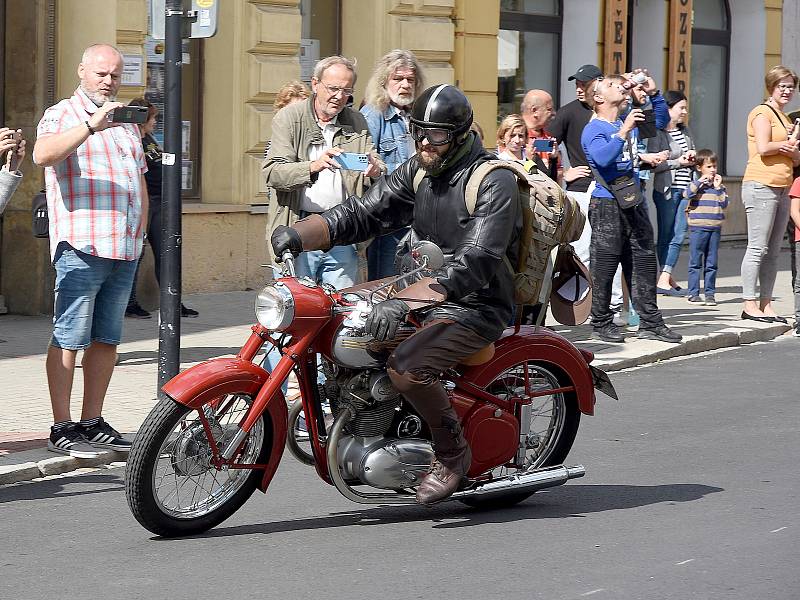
<point>429,160</point>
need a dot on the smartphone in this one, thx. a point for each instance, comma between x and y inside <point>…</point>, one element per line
<point>647,128</point>
<point>352,161</point>
<point>544,144</point>
<point>17,137</point>
<point>129,114</point>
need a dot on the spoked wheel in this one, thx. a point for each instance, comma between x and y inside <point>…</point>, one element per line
<point>171,483</point>
<point>553,424</point>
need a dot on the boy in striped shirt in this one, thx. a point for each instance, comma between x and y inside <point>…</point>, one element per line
<point>704,215</point>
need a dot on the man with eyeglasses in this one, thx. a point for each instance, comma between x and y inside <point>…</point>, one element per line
<point>302,169</point>
<point>466,304</point>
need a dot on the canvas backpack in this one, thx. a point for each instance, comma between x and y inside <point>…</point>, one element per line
<point>550,218</point>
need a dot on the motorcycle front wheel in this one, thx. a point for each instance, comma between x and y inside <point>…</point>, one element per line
<point>553,424</point>
<point>171,485</point>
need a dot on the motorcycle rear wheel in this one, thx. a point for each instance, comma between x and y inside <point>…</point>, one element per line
<point>171,487</point>
<point>554,423</point>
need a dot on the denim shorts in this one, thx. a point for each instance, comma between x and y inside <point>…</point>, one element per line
<point>91,295</point>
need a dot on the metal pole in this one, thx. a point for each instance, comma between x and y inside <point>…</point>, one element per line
<point>169,331</point>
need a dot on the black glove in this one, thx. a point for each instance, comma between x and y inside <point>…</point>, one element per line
<point>385,317</point>
<point>283,239</point>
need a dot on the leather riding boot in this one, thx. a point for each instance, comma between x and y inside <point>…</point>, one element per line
<point>450,465</point>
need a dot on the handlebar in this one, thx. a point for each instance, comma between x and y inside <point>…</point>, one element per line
<point>287,258</point>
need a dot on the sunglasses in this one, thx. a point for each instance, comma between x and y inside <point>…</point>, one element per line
<point>436,136</point>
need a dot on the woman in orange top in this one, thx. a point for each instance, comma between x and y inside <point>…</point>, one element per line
<point>772,153</point>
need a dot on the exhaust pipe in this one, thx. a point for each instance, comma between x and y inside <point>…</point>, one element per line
<point>530,481</point>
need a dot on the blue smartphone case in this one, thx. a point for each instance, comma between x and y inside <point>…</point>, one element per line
<point>543,145</point>
<point>352,161</point>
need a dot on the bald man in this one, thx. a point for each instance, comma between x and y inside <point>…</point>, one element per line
<point>97,204</point>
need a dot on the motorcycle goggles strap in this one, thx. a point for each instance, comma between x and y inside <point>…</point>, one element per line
<point>436,136</point>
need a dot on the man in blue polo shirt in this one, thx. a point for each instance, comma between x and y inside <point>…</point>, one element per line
<point>619,235</point>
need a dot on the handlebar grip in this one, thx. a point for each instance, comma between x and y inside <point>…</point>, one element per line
<point>288,260</point>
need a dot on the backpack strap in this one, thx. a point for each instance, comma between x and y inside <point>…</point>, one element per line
<point>476,179</point>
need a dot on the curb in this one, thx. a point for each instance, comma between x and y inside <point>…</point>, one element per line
<point>55,466</point>
<point>694,345</point>
<point>729,338</point>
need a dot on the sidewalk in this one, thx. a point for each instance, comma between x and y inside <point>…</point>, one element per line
<point>223,325</point>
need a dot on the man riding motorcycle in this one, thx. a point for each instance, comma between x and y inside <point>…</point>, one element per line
<point>466,304</point>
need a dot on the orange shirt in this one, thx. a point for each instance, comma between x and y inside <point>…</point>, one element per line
<point>774,170</point>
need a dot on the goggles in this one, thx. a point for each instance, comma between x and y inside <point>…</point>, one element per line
<point>436,136</point>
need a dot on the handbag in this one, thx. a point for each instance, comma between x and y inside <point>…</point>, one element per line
<point>40,222</point>
<point>625,188</point>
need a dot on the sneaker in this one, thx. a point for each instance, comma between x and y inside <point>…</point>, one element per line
<point>188,312</point>
<point>710,300</point>
<point>694,300</point>
<point>300,429</point>
<point>134,311</point>
<point>104,435</point>
<point>662,333</point>
<point>608,333</point>
<point>796,332</point>
<point>619,320</point>
<point>70,441</point>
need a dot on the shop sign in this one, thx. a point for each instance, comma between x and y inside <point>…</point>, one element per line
<point>616,37</point>
<point>680,41</point>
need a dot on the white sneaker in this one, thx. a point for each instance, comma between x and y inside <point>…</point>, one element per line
<point>619,320</point>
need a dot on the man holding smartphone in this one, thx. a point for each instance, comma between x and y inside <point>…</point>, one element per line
<point>12,151</point>
<point>97,204</point>
<point>537,111</point>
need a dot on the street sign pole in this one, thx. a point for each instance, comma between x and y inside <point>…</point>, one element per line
<point>169,330</point>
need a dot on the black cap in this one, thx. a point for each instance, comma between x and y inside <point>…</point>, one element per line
<point>586,73</point>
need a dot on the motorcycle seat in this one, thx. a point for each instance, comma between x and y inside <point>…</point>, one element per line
<point>480,357</point>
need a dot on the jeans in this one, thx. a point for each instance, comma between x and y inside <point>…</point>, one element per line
<point>679,228</point>
<point>582,249</point>
<point>623,237</point>
<point>337,267</point>
<point>767,210</point>
<point>91,294</point>
<point>703,244</point>
<point>381,254</point>
<point>666,211</point>
<point>794,251</point>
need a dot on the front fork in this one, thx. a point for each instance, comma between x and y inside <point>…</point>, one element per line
<point>265,394</point>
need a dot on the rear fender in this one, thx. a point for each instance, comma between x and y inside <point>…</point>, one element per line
<point>212,379</point>
<point>540,345</point>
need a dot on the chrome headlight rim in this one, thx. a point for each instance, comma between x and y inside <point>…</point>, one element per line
<point>284,310</point>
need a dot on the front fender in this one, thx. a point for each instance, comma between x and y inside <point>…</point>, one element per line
<point>541,345</point>
<point>212,379</point>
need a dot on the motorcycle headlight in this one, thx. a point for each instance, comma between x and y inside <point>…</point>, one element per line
<point>275,307</point>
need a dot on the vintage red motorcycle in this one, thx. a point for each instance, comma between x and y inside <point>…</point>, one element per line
<point>221,430</point>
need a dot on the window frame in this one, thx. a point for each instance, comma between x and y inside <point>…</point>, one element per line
<point>718,38</point>
<point>524,22</point>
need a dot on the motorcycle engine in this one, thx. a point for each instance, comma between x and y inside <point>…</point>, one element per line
<point>382,446</point>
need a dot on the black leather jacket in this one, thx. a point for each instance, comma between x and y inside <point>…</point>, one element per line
<point>480,288</point>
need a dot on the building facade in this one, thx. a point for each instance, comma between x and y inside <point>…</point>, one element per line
<point>493,49</point>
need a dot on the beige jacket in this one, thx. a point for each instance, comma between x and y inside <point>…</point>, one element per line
<point>287,166</point>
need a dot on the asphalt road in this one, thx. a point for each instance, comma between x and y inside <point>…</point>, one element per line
<point>691,493</point>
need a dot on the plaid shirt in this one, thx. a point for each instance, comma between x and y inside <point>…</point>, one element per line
<point>94,196</point>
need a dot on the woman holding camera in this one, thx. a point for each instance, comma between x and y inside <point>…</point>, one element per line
<point>772,149</point>
<point>669,182</point>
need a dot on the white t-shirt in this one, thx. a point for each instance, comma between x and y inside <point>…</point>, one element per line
<point>328,190</point>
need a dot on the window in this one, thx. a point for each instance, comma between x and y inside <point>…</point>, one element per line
<point>708,98</point>
<point>528,51</point>
<point>191,104</point>
<point>321,33</point>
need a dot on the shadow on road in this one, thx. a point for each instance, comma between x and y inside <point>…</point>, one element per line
<point>54,488</point>
<point>569,501</point>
